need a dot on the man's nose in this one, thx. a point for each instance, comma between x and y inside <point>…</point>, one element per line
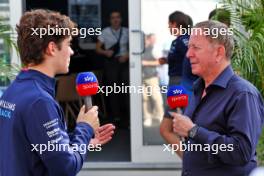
<point>189,53</point>
<point>71,52</point>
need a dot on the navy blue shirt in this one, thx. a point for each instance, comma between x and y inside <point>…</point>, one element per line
<point>231,113</point>
<point>176,55</point>
<point>29,117</point>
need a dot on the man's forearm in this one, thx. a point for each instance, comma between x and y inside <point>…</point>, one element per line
<point>172,138</point>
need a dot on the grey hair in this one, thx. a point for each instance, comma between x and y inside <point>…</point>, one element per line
<point>219,33</point>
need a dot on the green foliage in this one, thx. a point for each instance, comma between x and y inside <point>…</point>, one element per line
<point>248,59</point>
<point>7,70</point>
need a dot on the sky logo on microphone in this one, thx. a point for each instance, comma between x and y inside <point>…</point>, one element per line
<point>86,84</point>
<point>177,97</point>
<point>89,78</point>
<point>177,91</point>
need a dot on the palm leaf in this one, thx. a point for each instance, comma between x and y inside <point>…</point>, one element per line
<point>248,57</point>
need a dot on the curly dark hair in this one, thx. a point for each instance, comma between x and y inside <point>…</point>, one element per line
<point>32,47</point>
<point>180,19</point>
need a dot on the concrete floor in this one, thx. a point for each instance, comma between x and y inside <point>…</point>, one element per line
<point>115,159</point>
<point>130,169</point>
<point>131,173</point>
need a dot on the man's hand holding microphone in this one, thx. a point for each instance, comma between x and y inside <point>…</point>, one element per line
<point>177,98</point>
<point>182,124</point>
<point>86,86</point>
<point>90,117</point>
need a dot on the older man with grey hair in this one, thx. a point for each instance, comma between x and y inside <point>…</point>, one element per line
<point>223,122</point>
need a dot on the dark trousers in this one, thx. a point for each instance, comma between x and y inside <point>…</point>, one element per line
<point>117,104</point>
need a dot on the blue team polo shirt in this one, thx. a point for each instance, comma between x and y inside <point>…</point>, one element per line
<point>232,112</point>
<point>30,115</point>
<point>176,55</point>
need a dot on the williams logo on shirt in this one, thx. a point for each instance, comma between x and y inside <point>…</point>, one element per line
<point>6,109</point>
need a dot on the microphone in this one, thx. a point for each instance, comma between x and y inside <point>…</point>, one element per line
<point>86,86</point>
<point>177,97</point>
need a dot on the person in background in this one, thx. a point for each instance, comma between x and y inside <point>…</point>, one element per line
<point>177,21</point>
<point>220,15</point>
<point>176,62</point>
<point>163,73</point>
<point>34,139</point>
<point>152,99</point>
<point>188,78</point>
<point>113,45</point>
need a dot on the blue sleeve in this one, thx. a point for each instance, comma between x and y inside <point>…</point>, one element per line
<point>244,122</point>
<point>47,133</point>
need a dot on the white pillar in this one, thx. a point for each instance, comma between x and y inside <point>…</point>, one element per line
<point>15,14</point>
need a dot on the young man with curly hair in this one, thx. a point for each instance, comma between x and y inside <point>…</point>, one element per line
<point>34,138</point>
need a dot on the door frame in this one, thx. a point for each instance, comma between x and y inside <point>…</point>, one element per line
<point>140,153</point>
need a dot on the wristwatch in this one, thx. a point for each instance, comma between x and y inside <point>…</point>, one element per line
<point>193,131</point>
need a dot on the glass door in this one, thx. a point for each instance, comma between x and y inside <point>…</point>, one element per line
<point>150,38</point>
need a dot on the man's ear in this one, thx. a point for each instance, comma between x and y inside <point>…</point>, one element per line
<point>51,48</point>
<point>221,53</point>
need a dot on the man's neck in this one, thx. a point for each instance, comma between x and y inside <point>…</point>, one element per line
<point>43,69</point>
<point>214,74</point>
<point>116,28</point>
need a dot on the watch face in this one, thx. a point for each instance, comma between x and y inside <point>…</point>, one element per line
<point>193,131</point>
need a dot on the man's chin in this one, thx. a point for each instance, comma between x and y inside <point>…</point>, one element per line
<point>63,71</point>
<point>66,71</point>
<point>195,72</point>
